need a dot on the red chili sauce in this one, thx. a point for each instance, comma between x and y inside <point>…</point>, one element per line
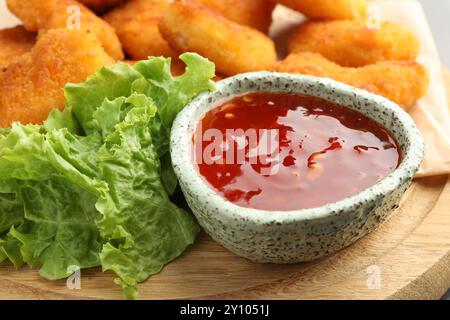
<point>323,152</point>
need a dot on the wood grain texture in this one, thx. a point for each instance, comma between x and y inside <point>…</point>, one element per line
<point>411,251</point>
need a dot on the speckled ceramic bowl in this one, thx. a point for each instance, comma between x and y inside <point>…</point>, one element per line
<point>302,235</point>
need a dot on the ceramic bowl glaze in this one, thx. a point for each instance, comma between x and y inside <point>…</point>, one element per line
<point>301,235</point>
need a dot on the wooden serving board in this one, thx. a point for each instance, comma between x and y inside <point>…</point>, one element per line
<point>411,252</point>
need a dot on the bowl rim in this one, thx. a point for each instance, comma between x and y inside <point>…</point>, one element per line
<point>182,131</point>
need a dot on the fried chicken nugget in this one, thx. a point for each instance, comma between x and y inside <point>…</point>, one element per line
<point>329,9</point>
<point>253,13</point>
<point>101,5</point>
<point>403,82</point>
<point>189,26</point>
<point>31,86</point>
<point>136,24</point>
<point>352,43</point>
<point>38,15</point>
<point>14,42</point>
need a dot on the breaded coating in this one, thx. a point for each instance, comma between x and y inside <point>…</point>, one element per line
<point>101,5</point>
<point>32,86</point>
<point>42,15</point>
<point>14,42</point>
<point>329,9</point>
<point>189,26</point>
<point>253,13</point>
<point>353,43</point>
<point>403,82</point>
<point>136,24</point>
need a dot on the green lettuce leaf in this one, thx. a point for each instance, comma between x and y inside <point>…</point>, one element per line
<point>4,131</point>
<point>109,83</point>
<point>60,229</point>
<point>11,208</point>
<point>53,205</point>
<point>10,249</point>
<point>11,215</point>
<point>92,185</point>
<point>168,176</point>
<point>3,255</point>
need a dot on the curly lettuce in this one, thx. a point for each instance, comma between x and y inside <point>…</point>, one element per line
<point>92,185</point>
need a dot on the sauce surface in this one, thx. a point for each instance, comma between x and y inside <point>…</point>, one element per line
<point>314,152</point>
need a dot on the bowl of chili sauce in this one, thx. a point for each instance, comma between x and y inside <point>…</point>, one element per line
<point>287,168</point>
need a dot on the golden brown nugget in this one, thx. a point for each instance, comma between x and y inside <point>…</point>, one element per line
<point>253,13</point>
<point>32,86</point>
<point>42,15</point>
<point>189,26</point>
<point>136,24</point>
<point>353,43</point>
<point>14,42</point>
<point>403,82</point>
<point>329,9</point>
<point>101,5</point>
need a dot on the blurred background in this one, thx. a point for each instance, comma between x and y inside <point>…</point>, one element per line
<point>438,14</point>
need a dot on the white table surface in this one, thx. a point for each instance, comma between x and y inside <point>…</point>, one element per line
<point>437,11</point>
